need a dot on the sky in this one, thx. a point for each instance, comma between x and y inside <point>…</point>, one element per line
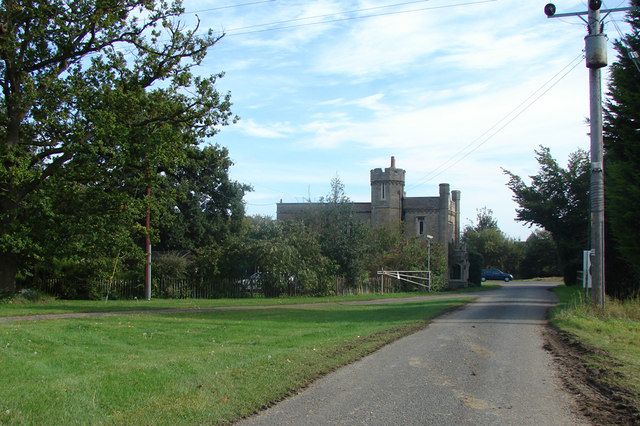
<point>457,91</point>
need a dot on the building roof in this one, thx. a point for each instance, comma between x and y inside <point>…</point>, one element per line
<point>421,203</point>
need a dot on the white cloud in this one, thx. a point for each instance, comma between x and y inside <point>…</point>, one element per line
<point>371,102</point>
<point>476,114</point>
<point>270,131</point>
<point>377,46</point>
<point>298,25</point>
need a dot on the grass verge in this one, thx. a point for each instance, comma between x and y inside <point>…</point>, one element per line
<point>194,368</point>
<point>20,307</point>
<point>614,332</point>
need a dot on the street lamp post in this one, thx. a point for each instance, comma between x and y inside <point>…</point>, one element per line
<point>429,238</point>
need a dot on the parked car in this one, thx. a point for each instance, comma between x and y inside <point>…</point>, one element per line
<point>495,274</point>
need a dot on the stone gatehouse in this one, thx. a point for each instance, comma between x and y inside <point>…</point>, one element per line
<point>436,216</point>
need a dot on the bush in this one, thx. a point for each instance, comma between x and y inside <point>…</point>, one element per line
<point>27,295</point>
<point>475,268</point>
<point>171,266</point>
<point>570,273</point>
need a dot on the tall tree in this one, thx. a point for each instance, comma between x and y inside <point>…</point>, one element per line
<point>485,220</point>
<point>342,234</point>
<point>486,239</point>
<point>557,200</point>
<point>622,158</point>
<point>65,84</point>
<point>205,205</point>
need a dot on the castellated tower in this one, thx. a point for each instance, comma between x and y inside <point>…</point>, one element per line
<point>387,192</point>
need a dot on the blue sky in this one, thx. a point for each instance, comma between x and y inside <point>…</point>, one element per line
<point>455,90</point>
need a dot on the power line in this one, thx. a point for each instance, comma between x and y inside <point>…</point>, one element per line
<point>326,21</point>
<point>514,113</point>
<point>631,54</point>
<point>306,18</point>
<point>229,6</point>
<point>512,119</point>
<point>351,18</point>
<point>429,176</point>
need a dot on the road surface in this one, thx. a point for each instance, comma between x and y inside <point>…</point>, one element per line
<point>480,365</point>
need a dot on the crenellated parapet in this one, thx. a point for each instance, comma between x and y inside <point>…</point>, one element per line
<point>387,193</point>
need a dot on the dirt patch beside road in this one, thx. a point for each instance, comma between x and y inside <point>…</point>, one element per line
<point>599,400</point>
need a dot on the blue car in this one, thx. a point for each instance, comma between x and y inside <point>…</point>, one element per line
<point>495,274</point>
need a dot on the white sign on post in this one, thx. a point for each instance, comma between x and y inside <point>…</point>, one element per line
<point>586,269</point>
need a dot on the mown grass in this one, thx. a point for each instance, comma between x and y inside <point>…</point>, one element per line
<point>188,368</point>
<point>18,306</point>
<point>615,330</point>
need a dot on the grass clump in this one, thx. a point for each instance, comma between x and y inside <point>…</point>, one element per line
<point>614,331</point>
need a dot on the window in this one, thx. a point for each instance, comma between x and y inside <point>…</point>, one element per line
<point>420,225</point>
<point>383,191</point>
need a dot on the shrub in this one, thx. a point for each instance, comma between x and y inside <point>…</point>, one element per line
<point>475,268</point>
<point>27,295</point>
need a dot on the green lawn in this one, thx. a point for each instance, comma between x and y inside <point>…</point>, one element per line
<point>195,368</point>
<point>19,306</point>
<point>616,330</point>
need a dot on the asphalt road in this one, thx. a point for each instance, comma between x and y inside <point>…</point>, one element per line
<point>483,364</point>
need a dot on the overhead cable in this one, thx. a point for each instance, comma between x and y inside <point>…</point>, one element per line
<point>349,18</point>
<point>306,18</point>
<point>501,124</point>
<point>230,6</point>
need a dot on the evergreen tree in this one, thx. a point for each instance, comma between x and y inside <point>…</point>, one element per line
<point>622,163</point>
<point>540,256</point>
<point>557,200</point>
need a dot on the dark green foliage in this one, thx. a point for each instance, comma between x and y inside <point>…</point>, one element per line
<point>558,201</point>
<point>78,112</point>
<point>172,265</point>
<point>496,249</point>
<point>485,219</point>
<point>86,128</point>
<point>282,257</point>
<point>476,263</point>
<point>388,248</point>
<point>622,164</point>
<point>341,233</point>
<point>206,207</point>
<point>540,256</point>
<point>621,280</point>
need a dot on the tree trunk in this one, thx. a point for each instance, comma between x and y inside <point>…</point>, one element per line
<point>8,271</point>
